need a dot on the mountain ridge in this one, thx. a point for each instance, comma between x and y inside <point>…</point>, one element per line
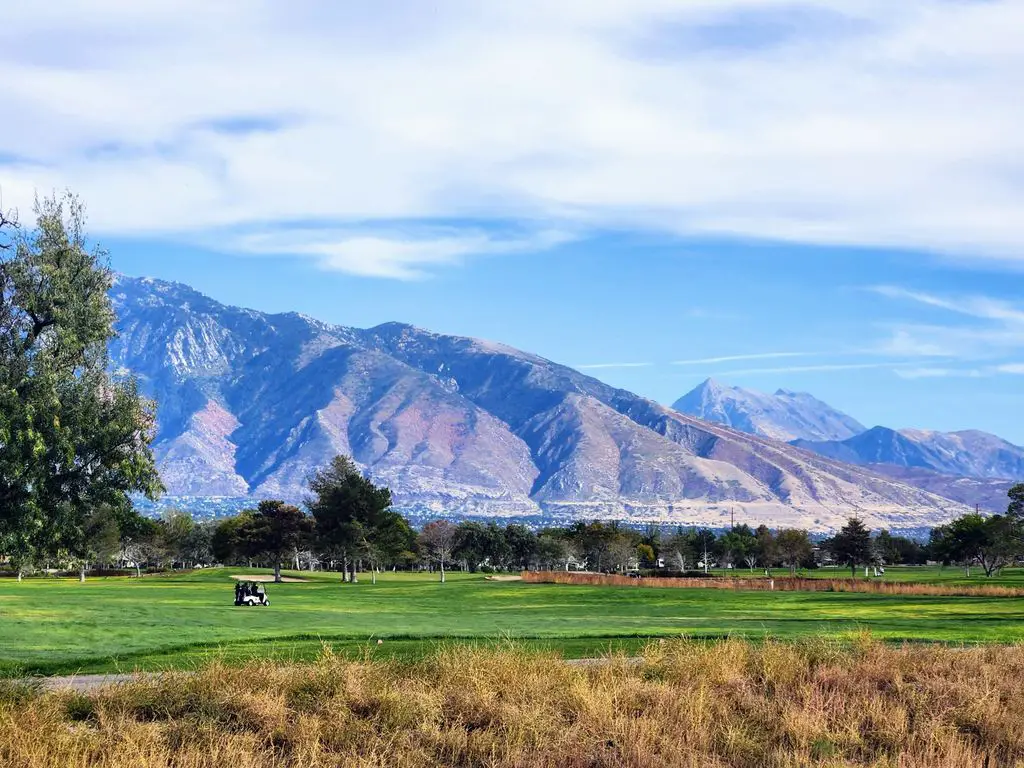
<point>253,401</point>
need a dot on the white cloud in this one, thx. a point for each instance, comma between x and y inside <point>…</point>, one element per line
<point>736,358</point>
<point>402,255</point>
<point>856,122</point>
<point>1016,369</point>
<point>940,373</point>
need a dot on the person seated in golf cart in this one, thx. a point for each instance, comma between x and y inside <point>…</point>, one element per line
<point>249,593</point>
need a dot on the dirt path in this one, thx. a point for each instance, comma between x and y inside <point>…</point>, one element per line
<point>93,683</point>
<point>268,579</point>
<point>90,683</point>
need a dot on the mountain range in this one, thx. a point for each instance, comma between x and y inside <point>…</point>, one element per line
<point>250,403</point>
<point>973,467</point>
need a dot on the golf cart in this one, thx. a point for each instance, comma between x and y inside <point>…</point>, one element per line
<point>249,593</point>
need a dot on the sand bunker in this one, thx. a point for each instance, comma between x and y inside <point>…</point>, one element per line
<point>266,578</point>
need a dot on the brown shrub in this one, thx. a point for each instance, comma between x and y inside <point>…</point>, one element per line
<point>783,584</point>
<point>685,704</point>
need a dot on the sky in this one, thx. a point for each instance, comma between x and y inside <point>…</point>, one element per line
<point>812,195</point>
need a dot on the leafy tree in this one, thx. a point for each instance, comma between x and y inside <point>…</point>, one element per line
<point>437,540</point>
<point>349,511</point>
<point>101,539</point>
<point>72,438</point>
<point>766,546</point>
<point>141,540</point>
<point>622,550</point>
<point>682,548</point>
<point>177,526</point>
<point>593,540</point>
<point>522,545</point>
<point>274,531</point>
<point>472,544</point>
<point>390,538</point>
<point>794,547</point>
<point>552,550</point>
<point>645,554</point>
<point>226,543</point>
<point>1016,508</point>
<point>852,545</point>
<point>197,546</point>
<point>894,550</point>
<point>991,542</point>
<point>739,545</point>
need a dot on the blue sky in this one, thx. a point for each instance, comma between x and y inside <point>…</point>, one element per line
<point>810,194</point>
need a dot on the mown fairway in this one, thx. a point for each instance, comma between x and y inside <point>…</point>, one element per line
<point>51,626</point>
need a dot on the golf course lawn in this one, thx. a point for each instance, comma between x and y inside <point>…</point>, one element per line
<point>51,626</point>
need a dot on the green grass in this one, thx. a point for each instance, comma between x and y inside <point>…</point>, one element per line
<point>57,626</point>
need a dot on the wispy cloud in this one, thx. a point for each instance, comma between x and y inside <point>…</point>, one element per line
<point>979,327</point>
<point>981,307</point>
<point>941,373</point>
<point>405,255</point>
<point>585,117</point>
<point>738,358</point>
<point>823,368</point>
<point>603,366</point>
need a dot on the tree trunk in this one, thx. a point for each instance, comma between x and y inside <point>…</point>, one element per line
<point>20,574</point>
<point>138,571</point>
<point>81,574</point>
<point>344,568</point>
<point>442,571</point>
<point>277,573</point>
<point>354,579</point>
<point>373,575</point>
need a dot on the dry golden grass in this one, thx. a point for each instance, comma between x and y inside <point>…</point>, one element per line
<point>782,584</point>
<point>690,704</point>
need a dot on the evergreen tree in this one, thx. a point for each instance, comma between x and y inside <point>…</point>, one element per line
<point>852,545</point>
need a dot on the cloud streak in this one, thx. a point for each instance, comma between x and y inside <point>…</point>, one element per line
<point>980,327</point>
<point>823,368</point>
<point>739,358</point>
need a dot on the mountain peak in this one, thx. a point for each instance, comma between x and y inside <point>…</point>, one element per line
<point>786,415</point>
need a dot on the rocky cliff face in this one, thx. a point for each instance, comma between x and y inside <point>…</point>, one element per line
<point>250,404</point>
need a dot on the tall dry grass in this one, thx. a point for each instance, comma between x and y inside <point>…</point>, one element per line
<point>784,584</point>
<point>688,704</point>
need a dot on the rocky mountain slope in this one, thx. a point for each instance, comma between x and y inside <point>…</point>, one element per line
<point>783,416</point>
<point>967,454</point>
<point>250,404</point>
